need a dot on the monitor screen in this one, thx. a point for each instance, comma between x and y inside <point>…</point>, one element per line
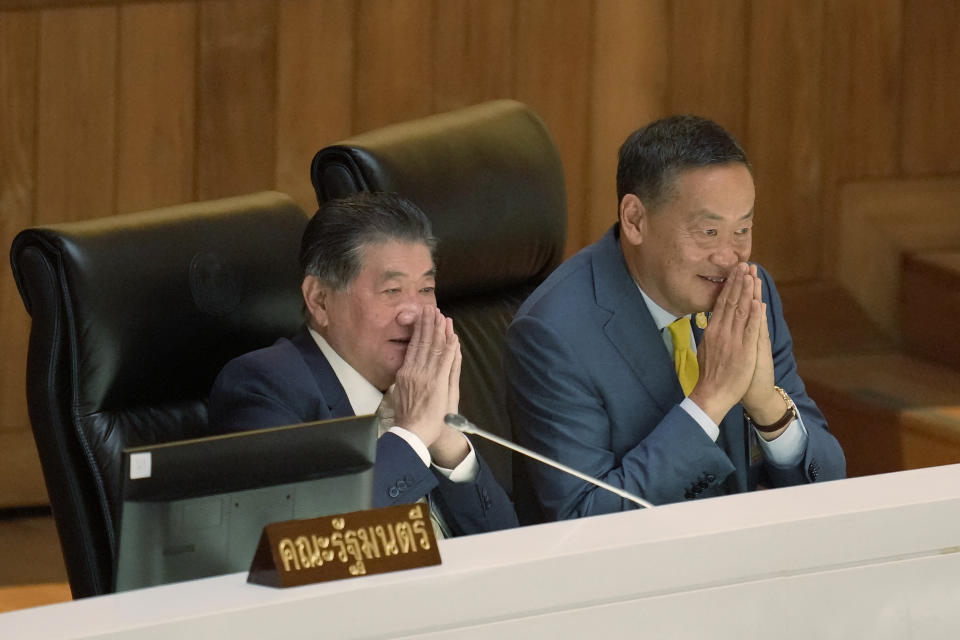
<point>196,508</point>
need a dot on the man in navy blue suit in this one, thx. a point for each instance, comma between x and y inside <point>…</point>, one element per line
<point>374,341</point>
<point>607,373</point>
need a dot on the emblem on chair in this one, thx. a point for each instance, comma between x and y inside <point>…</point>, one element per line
<point>214,284</point>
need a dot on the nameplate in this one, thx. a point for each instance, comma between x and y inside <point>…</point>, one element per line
<point>347,545</point>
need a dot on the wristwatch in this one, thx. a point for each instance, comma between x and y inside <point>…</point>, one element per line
<point>785,419</point>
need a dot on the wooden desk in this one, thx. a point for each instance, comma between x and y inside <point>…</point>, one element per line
<point>874,557</point>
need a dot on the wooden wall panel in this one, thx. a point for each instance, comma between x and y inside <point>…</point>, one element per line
<point>629,87</point>
<point>155,120</point>
<point>315,66</point>
<point>708,61</point>
<point>474,50</point>
<point>394,62</point>
<point>931,91</point>
<point>236,120</point>
<point>784,135</point>
<point>862,87</point>
<point>861,99</point>
<point>76,114</point>
<point>553,77</point>
<point>20,479</point>
<point>18,72</point>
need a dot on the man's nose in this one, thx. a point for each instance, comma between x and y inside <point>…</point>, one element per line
<point>408,312</point>
<point>725,256</point>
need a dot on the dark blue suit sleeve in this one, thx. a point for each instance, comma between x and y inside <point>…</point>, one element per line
<point>475,507</point>
<point>400,476</point>
<point>468,507</point>
<point>823,458</point>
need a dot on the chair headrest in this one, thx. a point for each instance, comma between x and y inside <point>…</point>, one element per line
<point>489,178</point>
<point>162,299</point>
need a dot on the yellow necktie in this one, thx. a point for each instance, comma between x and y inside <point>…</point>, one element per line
<point>684,359</point>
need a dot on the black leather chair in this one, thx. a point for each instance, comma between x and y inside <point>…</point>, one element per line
<point>132,318</point>
<point>490,180</point>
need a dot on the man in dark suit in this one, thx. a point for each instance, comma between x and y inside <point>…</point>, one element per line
<point>374,341</point>
<point>606,372</point>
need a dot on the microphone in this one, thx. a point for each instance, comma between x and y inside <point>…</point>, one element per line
<point>463,425</point>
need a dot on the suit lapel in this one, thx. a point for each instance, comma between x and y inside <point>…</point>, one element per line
<point>330,388</point>
<point>631,328</point>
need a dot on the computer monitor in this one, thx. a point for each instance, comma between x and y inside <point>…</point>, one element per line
<point>196,508</point>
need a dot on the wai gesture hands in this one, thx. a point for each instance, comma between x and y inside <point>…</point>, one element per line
<point>735,357</point>
<point>428,387</point>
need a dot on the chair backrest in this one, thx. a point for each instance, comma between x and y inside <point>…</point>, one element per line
<point>490,179</point>
<point>132,318</point>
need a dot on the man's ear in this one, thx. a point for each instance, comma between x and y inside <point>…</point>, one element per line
<point>633,219</point>
<point>316,298</point>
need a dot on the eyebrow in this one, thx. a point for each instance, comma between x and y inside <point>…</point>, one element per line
<point>390,275</point>
<point>709,215</point>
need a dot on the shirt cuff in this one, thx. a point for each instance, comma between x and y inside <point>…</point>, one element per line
<point>694,411</point>
<point>466,471</point>
<point>787,449</point>
<point>415,443</point>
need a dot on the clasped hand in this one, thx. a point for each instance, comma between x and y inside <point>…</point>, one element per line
<point>734,356</point>
<point>428,387</point>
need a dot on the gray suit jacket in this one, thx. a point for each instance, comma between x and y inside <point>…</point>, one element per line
<point>589,383</point>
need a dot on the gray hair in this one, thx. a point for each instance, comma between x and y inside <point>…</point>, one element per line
<point>334,241</point>
<point>653,155</point>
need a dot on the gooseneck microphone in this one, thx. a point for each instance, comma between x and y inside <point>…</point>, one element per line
<point>463,425</point>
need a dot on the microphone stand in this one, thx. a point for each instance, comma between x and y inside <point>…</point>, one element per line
<point>463,425</point>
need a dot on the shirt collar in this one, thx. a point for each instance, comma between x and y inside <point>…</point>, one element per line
<point>363,396</point>
<point>661,317</point>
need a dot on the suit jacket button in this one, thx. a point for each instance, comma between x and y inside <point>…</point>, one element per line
<point>711,477</point>
<point>401,485</point>
<point>394,492</point>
